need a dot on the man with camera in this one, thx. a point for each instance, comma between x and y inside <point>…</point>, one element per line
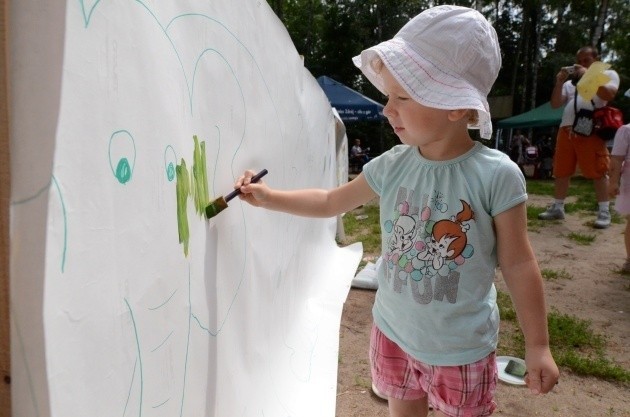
<point>576,143</point>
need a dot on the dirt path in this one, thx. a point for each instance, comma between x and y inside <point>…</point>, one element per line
<point>595,291</point>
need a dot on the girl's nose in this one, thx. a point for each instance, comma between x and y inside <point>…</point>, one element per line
<point>387,110</point>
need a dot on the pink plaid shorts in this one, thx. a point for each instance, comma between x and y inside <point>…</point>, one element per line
<point>457,391</point>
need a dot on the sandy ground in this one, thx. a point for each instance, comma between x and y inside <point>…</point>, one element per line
<point>596,292</point>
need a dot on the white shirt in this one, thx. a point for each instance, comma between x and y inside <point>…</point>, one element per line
<point>568,94</point>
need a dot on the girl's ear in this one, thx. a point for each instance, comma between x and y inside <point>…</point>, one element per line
<point>455,115</point>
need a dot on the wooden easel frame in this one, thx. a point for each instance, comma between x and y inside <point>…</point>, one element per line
<point>5,187</point>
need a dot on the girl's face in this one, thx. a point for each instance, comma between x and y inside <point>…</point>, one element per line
<point>415,124</point>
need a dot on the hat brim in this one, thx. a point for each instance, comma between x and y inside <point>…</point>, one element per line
<point>424,80</point>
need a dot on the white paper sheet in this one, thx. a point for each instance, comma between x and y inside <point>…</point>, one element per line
<point>128,117</point>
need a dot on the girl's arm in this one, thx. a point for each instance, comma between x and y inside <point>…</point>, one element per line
<point>616,162</point>
<point>521,274</point>
<point>306,202</point>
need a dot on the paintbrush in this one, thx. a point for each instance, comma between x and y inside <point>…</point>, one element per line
<point>220,204</point>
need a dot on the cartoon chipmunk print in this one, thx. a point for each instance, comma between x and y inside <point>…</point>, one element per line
<point>448,238</point>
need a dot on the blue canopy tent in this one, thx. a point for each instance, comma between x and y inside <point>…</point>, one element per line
<point>351,105</point>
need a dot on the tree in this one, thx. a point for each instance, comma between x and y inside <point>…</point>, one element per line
<point>536,37</point>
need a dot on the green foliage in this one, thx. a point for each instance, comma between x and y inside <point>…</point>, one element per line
<point>533,223</point>
<point>577,347</point>
<point>362,382</point>
<point>585,201</point>
<point>552,275</point>
<point>363,224</point>
<point>580,187</point>
<point>573,343</point>
<point>574,333</point>
<point>506,308</point>
<point>584,239</point>
<point>536,39</point>
<point>583,192</point>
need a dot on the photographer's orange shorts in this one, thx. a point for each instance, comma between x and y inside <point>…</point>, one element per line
<point>587,152</point>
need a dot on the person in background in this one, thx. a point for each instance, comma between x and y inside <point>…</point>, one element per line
<point>545,150</point>
<point>619,182</point>
<point>517,146</point>
<point>451,210</point>
<point>572,149</point>
<point>358,155</point>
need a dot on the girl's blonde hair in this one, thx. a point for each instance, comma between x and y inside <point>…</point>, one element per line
<point>473,115</point>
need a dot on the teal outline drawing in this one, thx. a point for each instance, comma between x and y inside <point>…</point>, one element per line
<point>123,171</point>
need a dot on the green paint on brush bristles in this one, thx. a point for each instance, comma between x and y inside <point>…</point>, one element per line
<point>215,207</point>
<point>220,204</point>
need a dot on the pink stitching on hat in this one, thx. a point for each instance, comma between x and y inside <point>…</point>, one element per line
<point>425,85</point>
<point>437,67</point>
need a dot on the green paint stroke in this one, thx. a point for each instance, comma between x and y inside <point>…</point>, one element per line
<point>200,177</point>
<point>194,185</point>
<point>182,190</point>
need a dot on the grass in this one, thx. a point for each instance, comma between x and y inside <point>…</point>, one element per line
<point>582,238</point>
<point>574,344</point>
<point>580,188</point>
<point>553,275</point>
<point>363,225</point>
<point>362,382</point>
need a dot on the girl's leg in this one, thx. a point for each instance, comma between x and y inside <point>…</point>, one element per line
<point>626,238</point>
<point>409,408</point>
<point>413,408</point>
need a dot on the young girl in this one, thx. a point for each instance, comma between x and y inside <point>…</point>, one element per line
<point>451,210</point>
<point>619,182</point>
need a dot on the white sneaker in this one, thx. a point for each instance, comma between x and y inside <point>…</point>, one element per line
<point>603,220</point>
<point>378,393</point>
<point>553,212</point>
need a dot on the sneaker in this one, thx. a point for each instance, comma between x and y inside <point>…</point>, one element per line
<point>553,213</point>
<point>603,220</point>
<point>378,393</point>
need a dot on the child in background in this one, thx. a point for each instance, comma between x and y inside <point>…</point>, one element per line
<point>451,210</point>
<point>619,182</point>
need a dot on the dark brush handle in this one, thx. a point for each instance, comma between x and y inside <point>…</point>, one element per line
<point>255,178</point>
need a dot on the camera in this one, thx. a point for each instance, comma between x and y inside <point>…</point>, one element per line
<point>572,74</point>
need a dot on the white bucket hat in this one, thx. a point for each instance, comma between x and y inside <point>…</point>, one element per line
<point>447,57</point>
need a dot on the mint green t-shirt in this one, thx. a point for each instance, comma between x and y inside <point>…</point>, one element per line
<point>436,297</point>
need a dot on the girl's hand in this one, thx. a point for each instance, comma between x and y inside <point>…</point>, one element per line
<point>542,371</point>
<point>255,194</point>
